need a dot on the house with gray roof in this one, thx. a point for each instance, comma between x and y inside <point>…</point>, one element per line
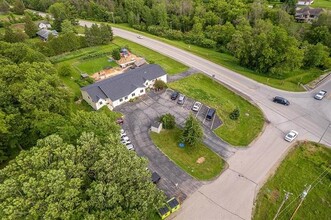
<point>121,88</point>
<point>44,33</point>
<point>308,14</point>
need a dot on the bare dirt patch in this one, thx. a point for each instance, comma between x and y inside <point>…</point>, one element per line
<point>200,160</point>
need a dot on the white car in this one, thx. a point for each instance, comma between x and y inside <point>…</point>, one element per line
<point>196,106</point>
<point>320,95</point>
<point>125,138</point>
<point>130,147</point>
<point>140,37</point>
<point>291,136</point>
<point>125,142</point>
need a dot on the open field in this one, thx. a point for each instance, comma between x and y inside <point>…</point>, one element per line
<point>230,62</point>
<point>94,65</point>
<point>240,132</point>
<point>187,157</point>
<point>322,4</point>
<point>307,164</point>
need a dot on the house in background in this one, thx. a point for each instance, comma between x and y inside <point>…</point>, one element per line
<point>305,2</point>
<point>123,87</point>
<point>44,34</point>
<point>44,25</point>
<point>308,14</point>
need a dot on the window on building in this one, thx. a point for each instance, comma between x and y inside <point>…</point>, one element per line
<point>133,94</point>
<point>141,91</point>
<point>100,102</point>
<point>121,100</point>
<point>125,97</point>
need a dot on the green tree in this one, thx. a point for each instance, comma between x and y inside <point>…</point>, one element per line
<point>14,36</point>
<point>19,7</point>
<point>168,121</point>
<point>116,54</point>
<point>160,84</point>
<point>66,70</point>
<point>67,27</point>
<point>192,133</point>
<point>4,6</point>
<point>315,55</point>
<point>56,180</point>
<point>30,27</point>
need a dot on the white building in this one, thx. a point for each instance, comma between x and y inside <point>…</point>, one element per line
<point>121,88</point>
<point>305,2</point>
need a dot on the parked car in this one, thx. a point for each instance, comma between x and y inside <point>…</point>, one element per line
<point>125,138</point>
<point>130,147</point>
<point>281,100</point>
<point>123,134</point>
<point>291,136</point>
<point>125,142</point>
<point>320,95</point>
<point>140,37</point>
<point>155,177</point>
<point>174,95</point>
<point>181,99</point>
<point>196,106</point>
<point>210,114</point>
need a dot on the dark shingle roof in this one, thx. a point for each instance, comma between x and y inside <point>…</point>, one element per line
<point>309,11</point>
<point>44,33</point>
<point>124,84</point>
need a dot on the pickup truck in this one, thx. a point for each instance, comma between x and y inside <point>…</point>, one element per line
<point>320,95</point>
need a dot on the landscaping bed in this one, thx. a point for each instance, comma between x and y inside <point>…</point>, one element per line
<point>307,164</point>
<point>240,132</point>
<point>199,161</point>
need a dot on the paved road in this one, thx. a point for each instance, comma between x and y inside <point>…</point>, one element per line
<point>231,196</point>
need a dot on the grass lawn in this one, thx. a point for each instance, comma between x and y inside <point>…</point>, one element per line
<point>186,158</point>
<point>322,4</point>
<point>307,164</point>
<point>94,65</point>
<point>240,132</point>
<point>230,62</point>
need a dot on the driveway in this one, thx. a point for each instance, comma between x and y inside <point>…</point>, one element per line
<point>138,118</point>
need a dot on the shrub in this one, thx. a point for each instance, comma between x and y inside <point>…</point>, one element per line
<point>168,121</point>
<point>235,114</point>
<point>159,85</point>
<point>116,54</point>
<point>66,70</point>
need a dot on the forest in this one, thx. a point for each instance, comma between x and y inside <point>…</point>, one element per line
<point>263,36</point>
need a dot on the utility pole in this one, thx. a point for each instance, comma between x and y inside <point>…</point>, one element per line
<point>287,195</point>
<point>303,196</point>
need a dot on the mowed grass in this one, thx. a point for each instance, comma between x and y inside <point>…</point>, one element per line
<point>307,164</point>
<point>91,66</point>
<point>322,4</point>
<point>239,132</point>
<point>186,158</point>
<point>232,63</point>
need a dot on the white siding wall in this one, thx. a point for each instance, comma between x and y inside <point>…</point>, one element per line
<point>95,105</point>
<point>163,78</point>
<point>137,94</point>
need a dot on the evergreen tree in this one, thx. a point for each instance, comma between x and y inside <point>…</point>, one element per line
<point>4,6</point>
<point>67,27</point>
<point>30,27</point>
<point>192,133</point>
<point>18,7</point>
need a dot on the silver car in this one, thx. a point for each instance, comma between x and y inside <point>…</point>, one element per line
<point>196,106</point>
<point>291,136</point>
<point>181,99</point>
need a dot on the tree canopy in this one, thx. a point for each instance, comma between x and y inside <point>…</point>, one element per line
<point>57,180</point>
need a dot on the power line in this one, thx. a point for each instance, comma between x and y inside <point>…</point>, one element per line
<point>314,183</point>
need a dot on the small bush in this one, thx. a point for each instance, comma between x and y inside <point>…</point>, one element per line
<point>235,114</point>
<point>66,70</point>
<point>168,121</point>
<point>159,85</point>
<point>116,54</point>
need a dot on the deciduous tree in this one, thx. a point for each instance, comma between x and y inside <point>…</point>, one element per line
<point>30,27</point>
<point>87,180</point>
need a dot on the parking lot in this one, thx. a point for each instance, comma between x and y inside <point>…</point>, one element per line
<point>138,117</point>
